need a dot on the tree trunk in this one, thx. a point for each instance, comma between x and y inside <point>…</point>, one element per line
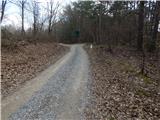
<point>34,27</point>
<point>100,19</point>
<point>22,30</point>
<point>35,18</point>
<point>4,2</point>
<point>49,26</point>
<point>140,26</point>
<point>152,45</point>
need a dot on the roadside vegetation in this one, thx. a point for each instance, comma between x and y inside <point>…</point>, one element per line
<point>25,62</point>
<point>118,89</point>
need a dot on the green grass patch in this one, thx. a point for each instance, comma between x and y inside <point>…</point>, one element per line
<point>142,92</point>
<point>146,79</point>
<point>111,118</point>
<point>127,67</point>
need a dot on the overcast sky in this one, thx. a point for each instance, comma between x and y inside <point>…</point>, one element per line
<point>12,13</point>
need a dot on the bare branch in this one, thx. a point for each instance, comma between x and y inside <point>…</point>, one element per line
<point>4,2</point>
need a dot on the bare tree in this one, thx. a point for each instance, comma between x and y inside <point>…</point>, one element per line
<point>21,4</point>
<point>140,26</point>
<point>100,22</point>
<point>155,27</point>
<point>35,11</point>
<point>52,14</point>
<point>3,6</point>
<point>140,35</point>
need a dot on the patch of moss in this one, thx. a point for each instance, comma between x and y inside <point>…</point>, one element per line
<point>146,79</point>
<point>127,68</point>
<point>142,92</point>
<point>105,46</point>
<point>111,118</point>
<point>130,69</point>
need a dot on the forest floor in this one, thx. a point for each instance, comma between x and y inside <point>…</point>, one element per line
<point>25,61</point>
<point>118,90</point>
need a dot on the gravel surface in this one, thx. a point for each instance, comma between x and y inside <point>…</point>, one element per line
<point>64,94</point>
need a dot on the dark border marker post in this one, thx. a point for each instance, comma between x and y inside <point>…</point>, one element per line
<point>77,34</point>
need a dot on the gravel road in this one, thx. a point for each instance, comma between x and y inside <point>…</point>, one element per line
<point>64,95</point>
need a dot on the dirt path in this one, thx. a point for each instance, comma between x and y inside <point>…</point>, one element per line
<point>58,93</point>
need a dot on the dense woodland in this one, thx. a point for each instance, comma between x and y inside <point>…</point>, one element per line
<point>131,23</point>
<point>113,23</point>
<point>128,23</point>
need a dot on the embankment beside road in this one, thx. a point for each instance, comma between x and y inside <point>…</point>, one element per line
<point>25,61</point>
